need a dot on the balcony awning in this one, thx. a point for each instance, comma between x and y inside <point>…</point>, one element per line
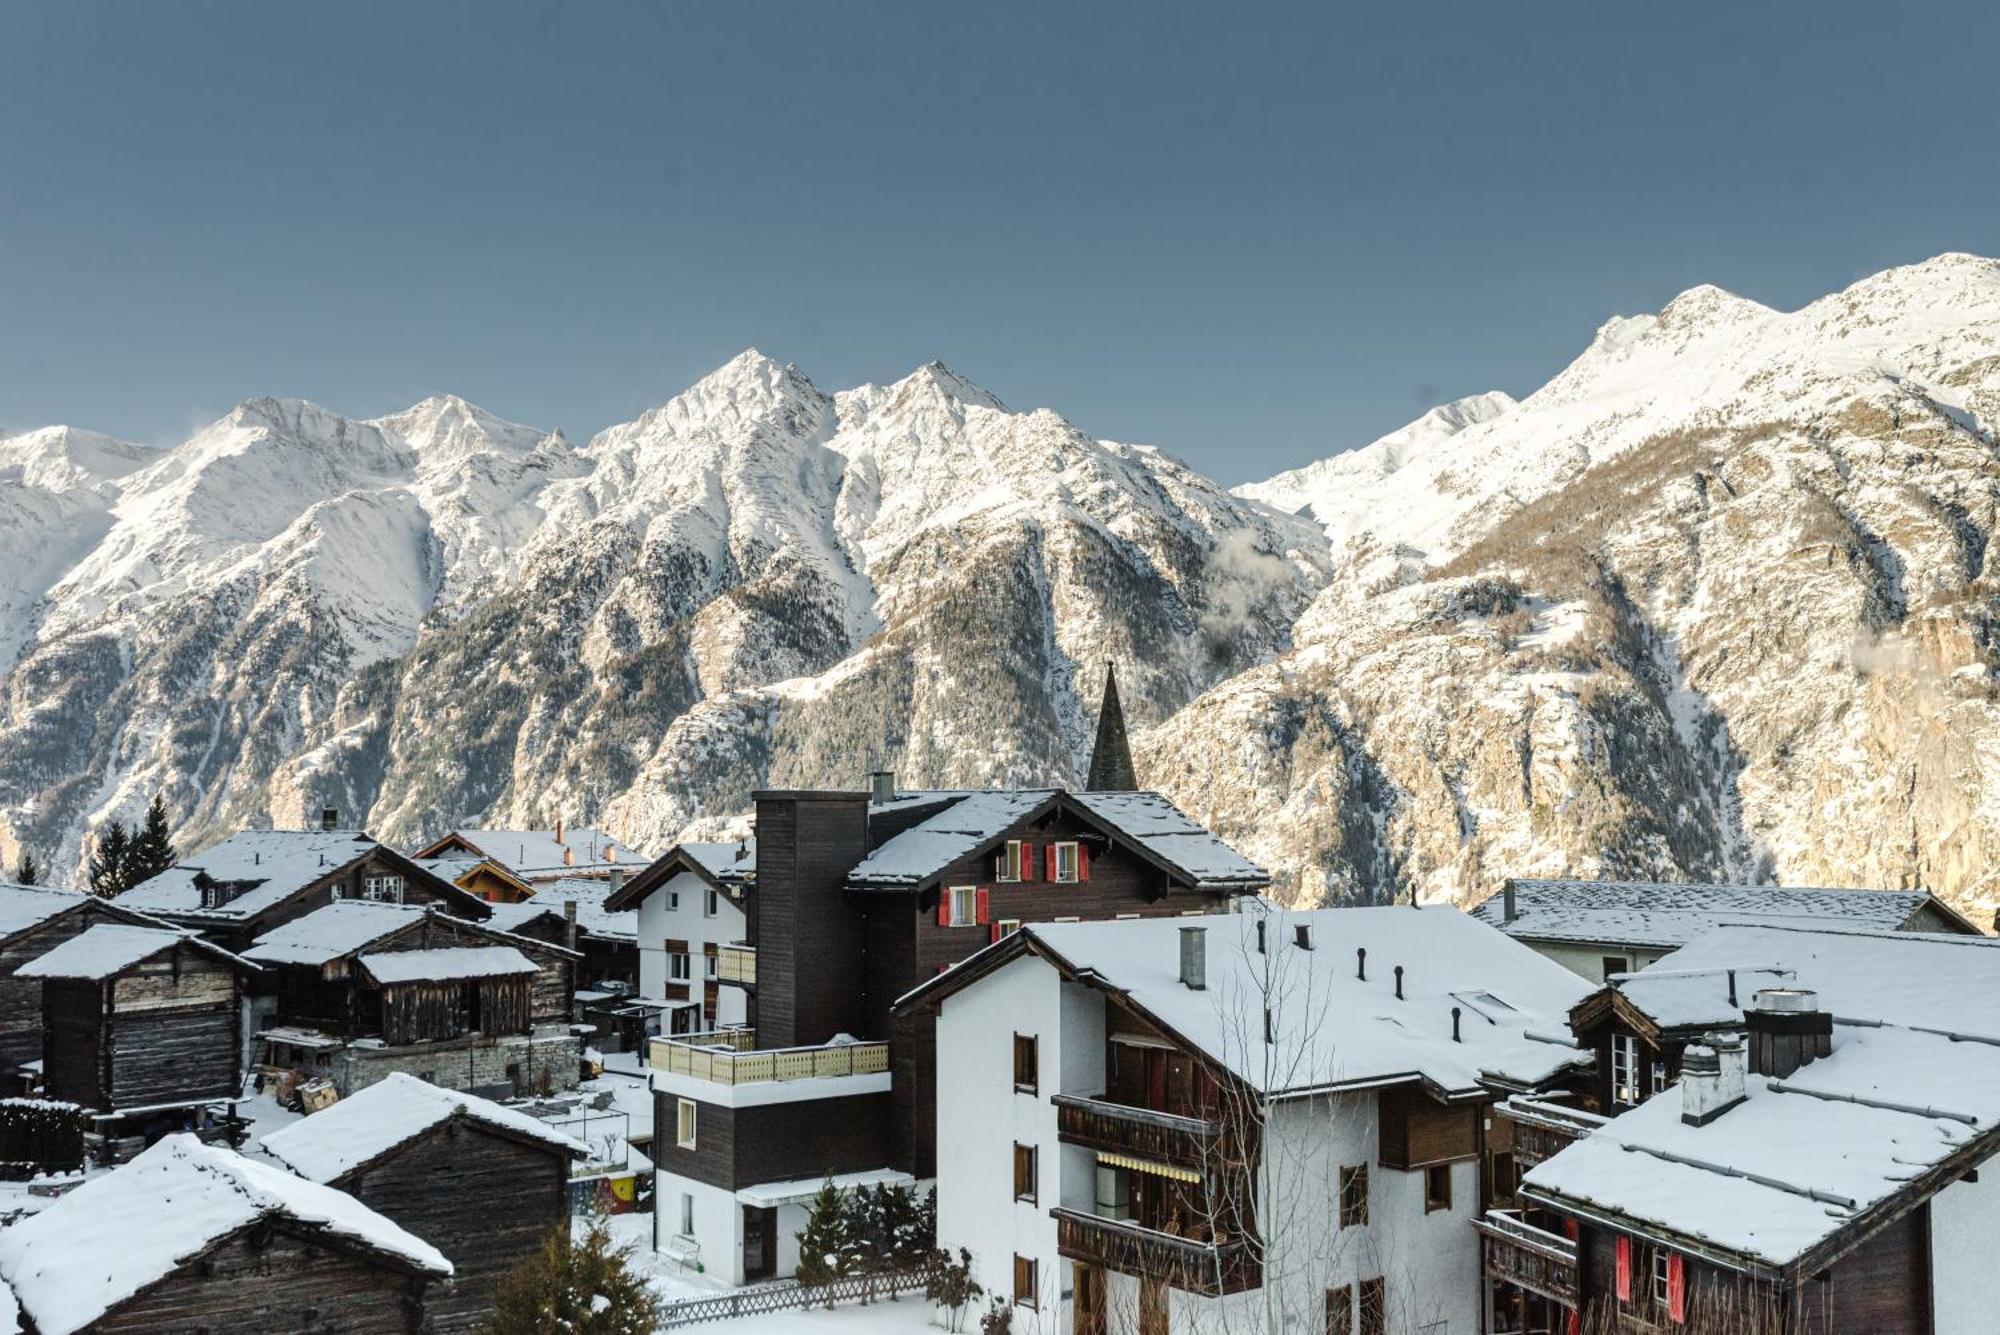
<point>1154,1167</point>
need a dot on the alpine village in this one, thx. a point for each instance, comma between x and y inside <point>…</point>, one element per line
<point>1032,1060</point>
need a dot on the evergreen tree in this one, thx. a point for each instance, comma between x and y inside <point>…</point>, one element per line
<point>152,852</point>
<point>109,863</point>
<point>574,1286</point>
<point>825,1245</point>
<point>27,871</point>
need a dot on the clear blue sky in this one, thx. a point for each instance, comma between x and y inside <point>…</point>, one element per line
<point>1253,235</point>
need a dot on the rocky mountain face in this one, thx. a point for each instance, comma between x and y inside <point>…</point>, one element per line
<point>1717,601</point>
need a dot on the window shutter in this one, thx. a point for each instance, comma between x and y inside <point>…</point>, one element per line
<point>994,934</point>
<point>1052,862</point>
<point>1575,1322</point>
<point>1676,1288</point>
<point>1027,861</point>
<point>1082,863</point>
<point>981,897</point>
<point>944,906</point>
<point>1624,1282</point>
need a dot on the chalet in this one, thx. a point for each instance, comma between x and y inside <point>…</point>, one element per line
<point>35,919</point>
<point>187,1237</point>
<point>258,880</point>
<point>141,1024</point>
<point>692,933</point>
<point>573,912</point>
<point>395,1145</point>
<point>857,898</point>
<point>484,877</point>
<point>538,855</point>
<point>1601,928</point>
<point>364,989</point>
<point>1216,1122</point>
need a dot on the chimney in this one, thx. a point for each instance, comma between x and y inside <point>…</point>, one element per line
<point>1361,963</point>
<point>1454,1025</point>
<point>617,880</point>
<point>1194,958</point>
<point>569,923</point>
<point>1786,1029</point>
<point>882,786</point>
<point>1507,901</point>
<point>329,819</point>
<point>569,856</point>
<point>1260,936</point>
<point>1711,1078</point>
<point>1399,982</point>
<point>742,849</point>
<point>559,835</point>
<point>1302,935</point>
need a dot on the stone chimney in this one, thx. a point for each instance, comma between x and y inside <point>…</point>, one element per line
<point>1711,1078</point>
<point>882,786</point>
<point>329,819</point>
<point>569,923</point>
<point>1787,1029</point>
<point>1507,901</point>
<point>1194,958</point>
<point>617,880</point>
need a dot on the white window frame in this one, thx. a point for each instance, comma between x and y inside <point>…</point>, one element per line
<point>680,967</point>
<point>964,905</point>
<point>1660,1276</point>
<point>1625,1070</point>
<point>1008,926</point>
<point>712,966</point>
<point>1009,864</point>
<point>710,906</point>
<point>687,1214</point>
<point>382,888</point>
<point>684,1123</point>
<point>1068,862</point>
<point>673,901</point>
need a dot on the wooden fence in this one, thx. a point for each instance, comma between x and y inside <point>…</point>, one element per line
<point>791,1297</point>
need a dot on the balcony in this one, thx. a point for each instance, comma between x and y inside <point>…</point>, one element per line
<point>732,1057</point>
<point>1208,1268</point>
<point>1543,1129</point>
<point>1531,1259</point>
<point>737,964</point>
<point>1097,1124</point>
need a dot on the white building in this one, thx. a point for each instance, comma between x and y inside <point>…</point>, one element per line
<point>691,930</point>
<point>1235,1121</point>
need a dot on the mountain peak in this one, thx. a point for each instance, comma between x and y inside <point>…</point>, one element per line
<point>937,378</point>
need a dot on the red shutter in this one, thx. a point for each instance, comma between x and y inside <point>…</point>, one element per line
<point>1027,861</point>
<point>1575,1322</point>
<point>944,906</point>
<point>981,896</point>
<point>1052,862</point>
<point>1082,863</point>
<point>994,934</point>
<point>1676,1288</point>
<point>1624,1284</point>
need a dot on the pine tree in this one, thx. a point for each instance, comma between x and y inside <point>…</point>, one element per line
<point>574,1286</point>
<point>27,871</point>
<point>152,852</point>
<point>108,864</point>
<point>824,1243</point>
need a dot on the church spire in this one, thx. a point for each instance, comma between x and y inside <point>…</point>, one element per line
<point>1111,757</point>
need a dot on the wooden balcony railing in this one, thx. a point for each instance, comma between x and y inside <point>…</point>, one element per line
<point>1543,1129</point>
<point>1208,1268</point>
<point>737,964</point>
<point>731,1057</point>
<point>1098,1124</point>
<point>1527,1257</point>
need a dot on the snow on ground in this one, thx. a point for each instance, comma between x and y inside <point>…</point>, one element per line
<point>888,1318</point>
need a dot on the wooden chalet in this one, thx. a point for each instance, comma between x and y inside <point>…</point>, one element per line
<point>34,920</point>
<point>141,1024</point>
<point>482,1183</point>
<point>257,880</point>
<point>574,912</point>
<point>188,1237</point>
<point>531,856</point>
<point>481,876</point>
<point>363,989</point>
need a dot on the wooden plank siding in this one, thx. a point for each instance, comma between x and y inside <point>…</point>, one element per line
<point>1416,1130</point>
<point>21,998</point>
<point>166,1030</point>
<point>810,982</point>
<point>773,1142</point>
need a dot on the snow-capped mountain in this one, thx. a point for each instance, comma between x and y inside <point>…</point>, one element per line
<point>1718,600</point>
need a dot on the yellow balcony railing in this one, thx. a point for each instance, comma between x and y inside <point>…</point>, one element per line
<point>733,1059</point>
<point>738,964</point>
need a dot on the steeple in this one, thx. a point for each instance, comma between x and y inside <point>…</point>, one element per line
<point>1111,757</point>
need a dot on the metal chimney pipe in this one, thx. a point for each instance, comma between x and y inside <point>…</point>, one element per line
<point>1399,982</point>
<point>1454,1026</point>
<point>1361,963</point>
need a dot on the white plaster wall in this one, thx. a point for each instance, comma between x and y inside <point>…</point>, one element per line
<point>1588,961</point>
<point>718,1225</point>
<point>1965,1281</point>
<point>689,923</point>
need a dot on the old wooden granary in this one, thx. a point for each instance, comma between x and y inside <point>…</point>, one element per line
<point>35,919</point>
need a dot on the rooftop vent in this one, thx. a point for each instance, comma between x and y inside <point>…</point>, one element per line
<point>1711,1078</point>
<point>882,786</point>
<point>1194,958</point>
<point>1787,1029</point>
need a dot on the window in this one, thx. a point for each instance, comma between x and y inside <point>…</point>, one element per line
<point>1354,1196</point>
<point>964,906</point>
<point>1437,1187</point>
<point>1660,1257</point>
<point>684,1124</point>
<point>1024,1281</point>
<point>712,903</point>
<point>1340,1310</point>
<point>687,1215</point>
<point>1506,1180</point>
<point>1011,862</point>
<point>1624,1070</point>
<point>1615,964</point>
<point>679,967</point>
<point>1024,1173</point>
<point>1374,1308</point>
<point>1006,927</point>
<point>382,889</point>
<point>1027,1064</point>
<point>1066,863</point>
<point>712,962</point>
<point>673,901</point>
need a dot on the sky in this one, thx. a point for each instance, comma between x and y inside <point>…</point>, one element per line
<point>1254,235</point>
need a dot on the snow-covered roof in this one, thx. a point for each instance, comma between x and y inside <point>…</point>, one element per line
<point>1664,915</point>
<point>268,865</point>
<point>591,915</point>
<point>340,928</point>
<point>538,853</point>
<point>25,906</point>
<point>97,1246</point>
<point>1800,1159</point>
<point>731,861</point>
<point>1677,998</point>
<point>107,948</point>
<point>393,1111</point>
<point>446,962</point>
<point>973,819</point>
<point>1333,1027</point>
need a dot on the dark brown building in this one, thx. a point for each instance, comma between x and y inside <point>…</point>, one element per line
<point>482,1183</point>
<point>34,920</point>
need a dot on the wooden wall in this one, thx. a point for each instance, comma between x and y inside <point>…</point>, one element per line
<point>773,1142</point>
<point>483,1199</point>
<point>73,1041</point>
<point>21,998</point>
<point>1417,1130</point>
<point>173,1029</point>
<point>809,939</point>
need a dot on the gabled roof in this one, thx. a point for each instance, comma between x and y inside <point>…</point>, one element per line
<point>267,867</point>
<point>975,822</point>
<point>729,866</point>
<point>537,854</point>
<point>105,949</point>
<point>1663,914</point>
<point>23,907</point>
<point>363,1127</point>
<point>1332,1028</point>
<point>116,1235</point>
<point>446,963</point>
<point>593,917</point>
<point>348,927</point>
<point>1676,1000</point>
<point>456,868</point>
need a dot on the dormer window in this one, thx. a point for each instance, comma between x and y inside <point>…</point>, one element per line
<point>382,889</point>
<point>1068,862</point>
<point>1012,862</point>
